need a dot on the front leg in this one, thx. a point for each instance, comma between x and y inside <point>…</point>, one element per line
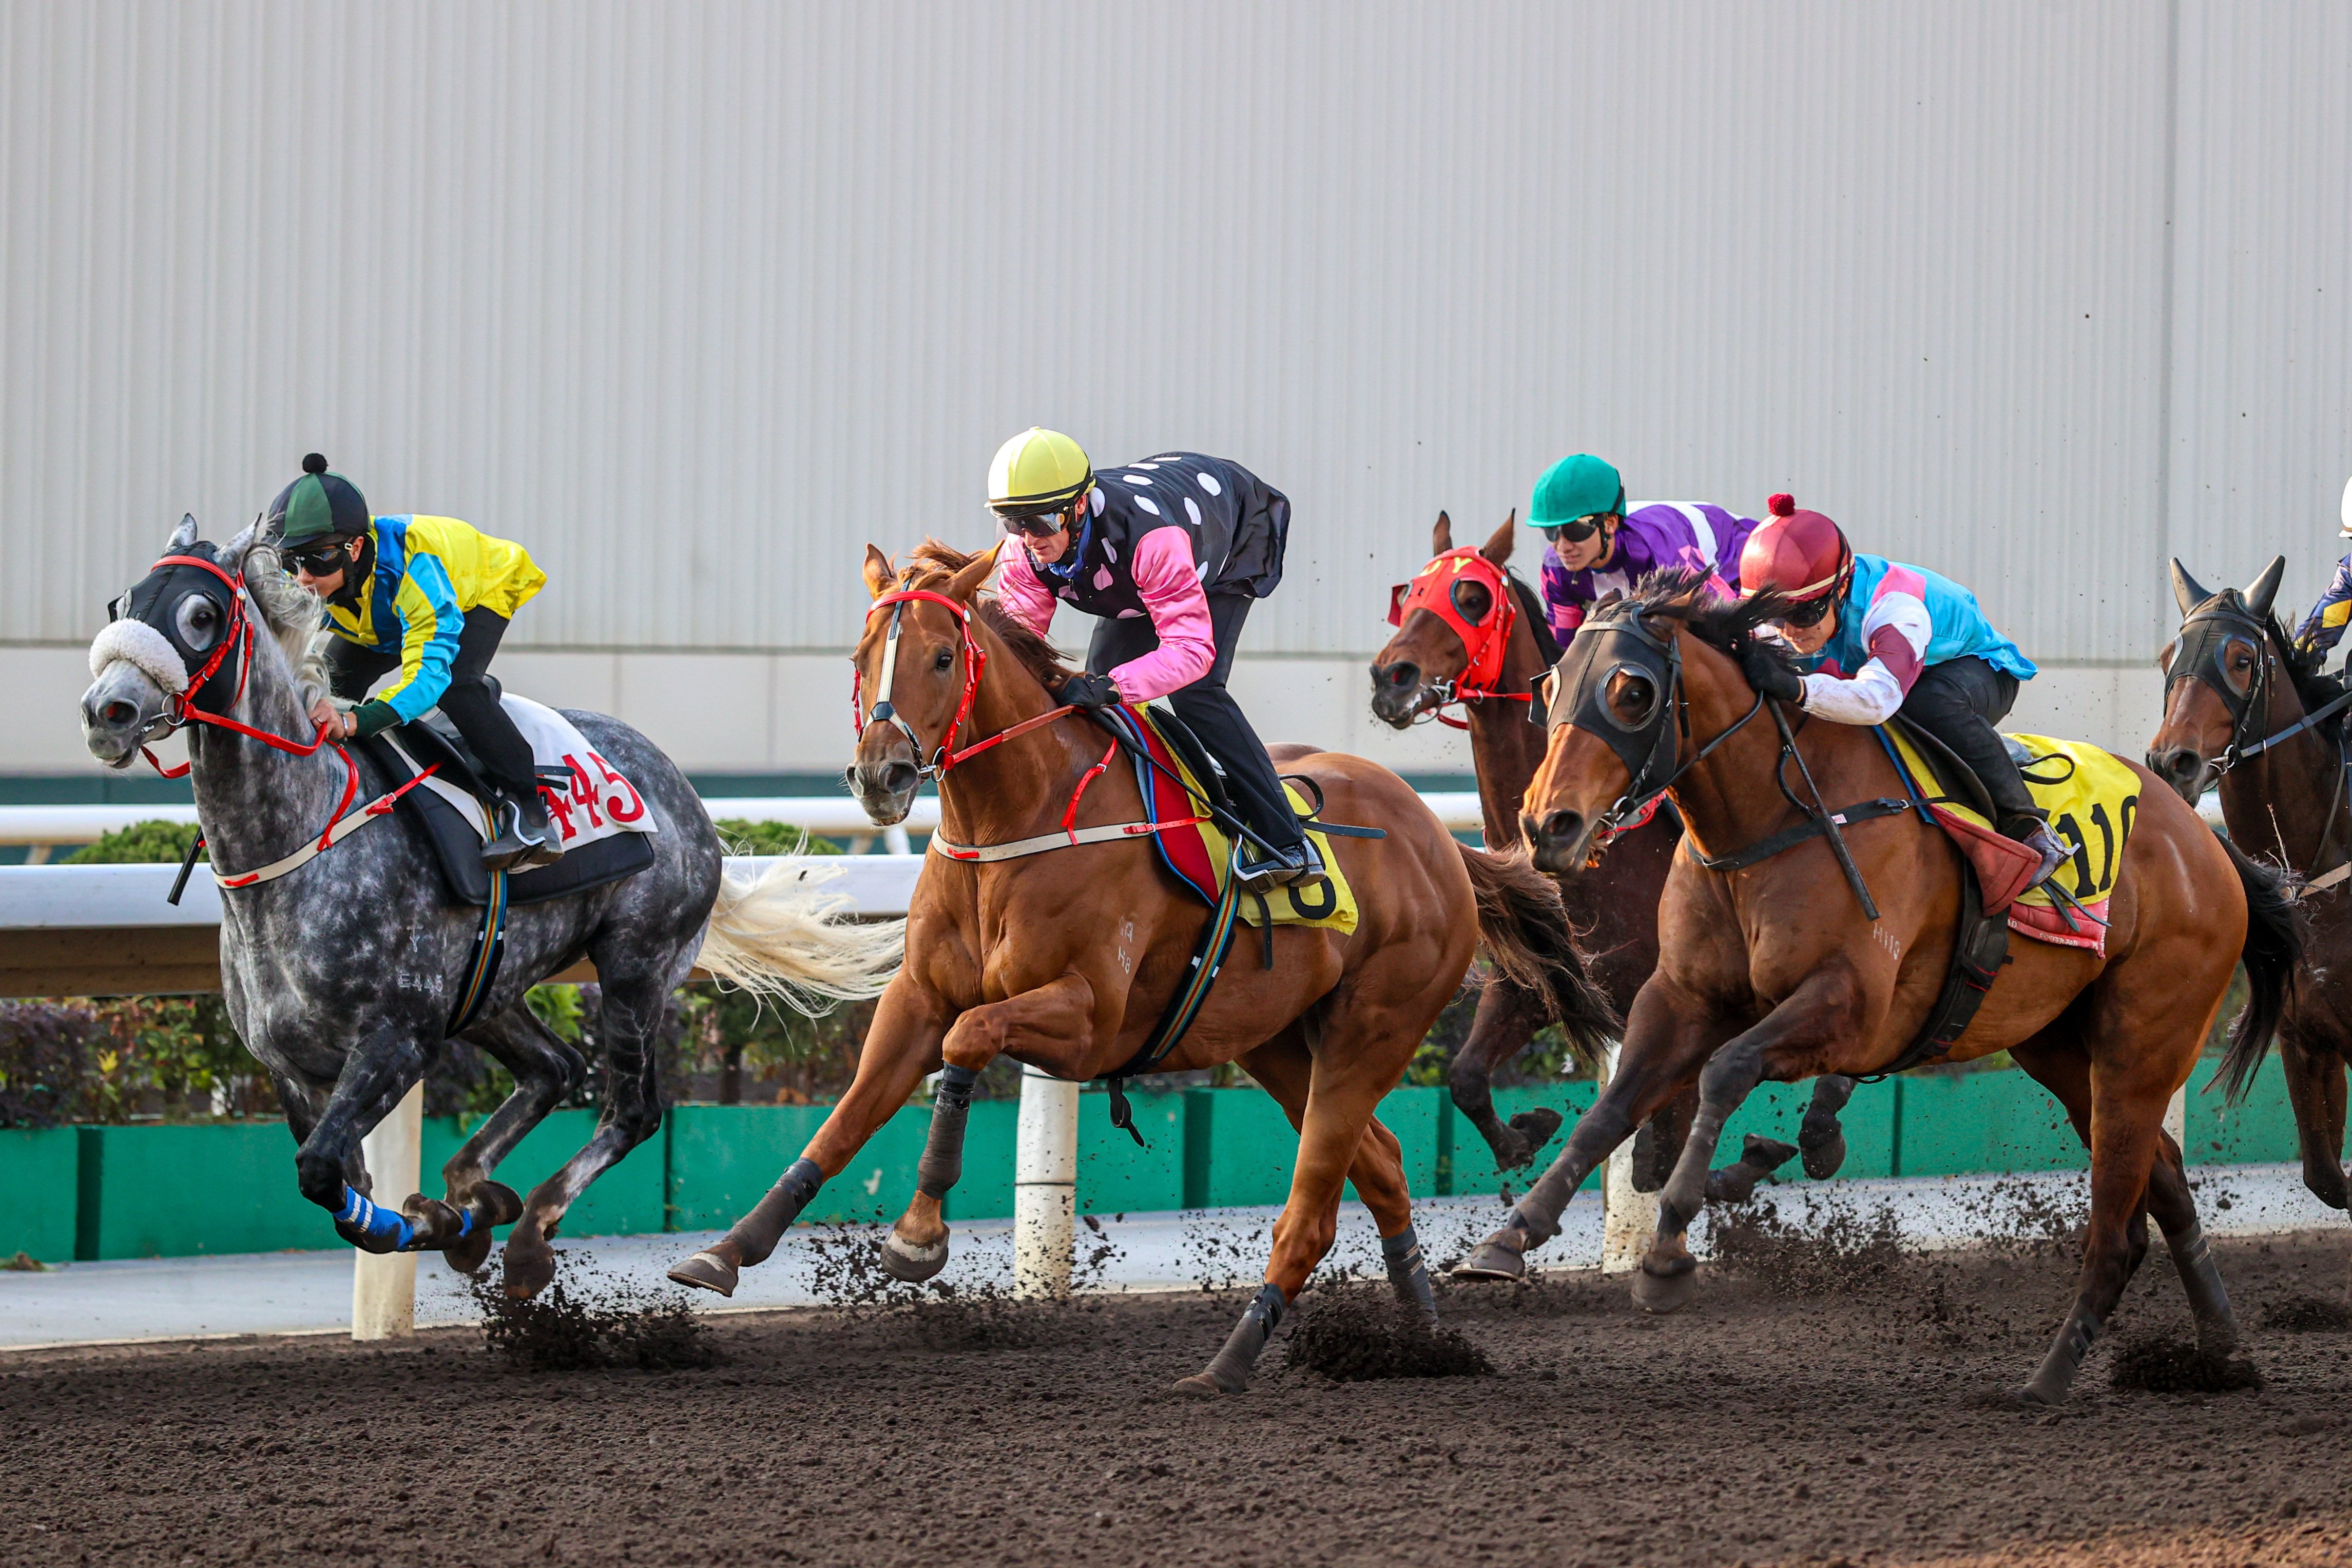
<point>1056,1019</point>
<point>326,1166</point>
<point>902,1044</point>
<point>1822,1011</point>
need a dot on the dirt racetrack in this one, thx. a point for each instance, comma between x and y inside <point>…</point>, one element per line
<point>1789,1418</point>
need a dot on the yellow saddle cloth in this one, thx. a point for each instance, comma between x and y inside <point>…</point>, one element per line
<point>2091,796</point>
<point>1202,855</point>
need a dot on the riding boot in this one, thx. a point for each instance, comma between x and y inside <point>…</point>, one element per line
<point>525,837</point>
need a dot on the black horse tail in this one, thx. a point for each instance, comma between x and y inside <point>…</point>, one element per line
<point>1527,939</point>
<point>2273,947</point>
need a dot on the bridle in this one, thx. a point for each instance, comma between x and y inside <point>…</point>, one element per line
<point>976,660</point>
<point>1486,642</point>
<point>184,707</point>
<point>1616,638</point>
<point>2199,652</point>
<point>180,707</point>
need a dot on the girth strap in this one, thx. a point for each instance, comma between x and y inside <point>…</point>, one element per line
<point>490,950</point>
<point>1216,937</point>
<point>1811,828</point>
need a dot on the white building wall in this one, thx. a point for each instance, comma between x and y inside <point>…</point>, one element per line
<point>695,298</point>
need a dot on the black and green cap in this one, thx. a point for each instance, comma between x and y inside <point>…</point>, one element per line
<point>318,506</point>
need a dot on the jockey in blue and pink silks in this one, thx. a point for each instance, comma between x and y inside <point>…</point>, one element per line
<point>1876,637</point>
<point>2323,627</point>
<point>1596,546</point>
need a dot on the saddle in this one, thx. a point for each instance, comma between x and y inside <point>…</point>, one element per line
<point>432,742</point>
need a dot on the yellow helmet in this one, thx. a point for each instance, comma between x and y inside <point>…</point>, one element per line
<point>1037,471</point>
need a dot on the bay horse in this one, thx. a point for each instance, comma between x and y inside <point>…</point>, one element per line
<point>344,973</point>
<point>2248,708</point>
<point>1057,940</point>
<point>1774,971</point>
<point>1438,659</point>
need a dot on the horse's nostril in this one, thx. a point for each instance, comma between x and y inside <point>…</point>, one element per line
<point>119,712</point>
<point>898,778</point>
<point>1403,676</point>
<point>1560,827</point>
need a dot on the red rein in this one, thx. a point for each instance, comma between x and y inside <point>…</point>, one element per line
<point>1486,641</point>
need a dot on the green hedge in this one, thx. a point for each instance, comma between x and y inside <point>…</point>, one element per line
<point>173,1191</point>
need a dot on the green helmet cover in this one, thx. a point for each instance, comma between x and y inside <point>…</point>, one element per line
<point>1576,487</point>
<point>319,505</point>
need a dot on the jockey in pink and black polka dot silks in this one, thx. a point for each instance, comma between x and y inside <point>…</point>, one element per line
<point>1171,552</point>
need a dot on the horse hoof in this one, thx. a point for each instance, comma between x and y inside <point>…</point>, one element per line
<point>530,1271</point>
<point>503,1203</point>
<point>1492,1259</point>
<point>467,1254</point>
<point>1511,1151</point>
<point>1823,1159</point>
<point>911,1264</point>
<point>1201,1385</point>
<point>705,1272</point>
<point>1537,1126</point>
<point>1667,1292</point>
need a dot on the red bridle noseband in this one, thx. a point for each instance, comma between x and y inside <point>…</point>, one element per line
<point>976,660</point>
<point>1484,641</point>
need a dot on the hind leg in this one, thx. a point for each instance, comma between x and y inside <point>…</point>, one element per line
<point>1286,1067</point>
<point>545,1067</point>
<point>2315,1086</point>
<point>635,1003</point>
<point>1507,1017</point>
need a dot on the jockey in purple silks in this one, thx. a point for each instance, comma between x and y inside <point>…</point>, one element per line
<point>1597,546</point>
<point>2325,625</point>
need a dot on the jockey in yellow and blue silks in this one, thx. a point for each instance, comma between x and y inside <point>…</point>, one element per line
<point>2323,627</point>
<point>429,596</point>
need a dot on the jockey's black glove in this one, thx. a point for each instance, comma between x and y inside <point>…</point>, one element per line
<point>1089,691</point>
<point>1770,674</point>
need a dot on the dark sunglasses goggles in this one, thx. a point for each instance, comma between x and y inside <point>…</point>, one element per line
<point>1809,612</point>
<point>319,561</point>
<point>1575,532</point>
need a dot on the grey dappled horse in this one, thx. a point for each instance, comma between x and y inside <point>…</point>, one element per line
<point>342,975</point>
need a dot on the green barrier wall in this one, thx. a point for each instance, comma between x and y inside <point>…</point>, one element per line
<point>38,1193</point>
<point>171,1191</point>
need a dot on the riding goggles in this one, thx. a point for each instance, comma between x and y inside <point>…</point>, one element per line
<point>319,561</point>
<point>1576,531</point>
<point>1038,525</point>
<point>1808,614</point>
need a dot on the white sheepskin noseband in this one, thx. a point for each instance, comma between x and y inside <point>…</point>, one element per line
<point>143,646</point>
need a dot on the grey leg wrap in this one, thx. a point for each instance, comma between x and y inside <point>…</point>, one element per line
<point>942,1162</point>
<point>2217,1326</point>
<point>783,1205</point>
<point>1230,1368</point>
<point>1408,1274</point>
<point>2075,1337</point>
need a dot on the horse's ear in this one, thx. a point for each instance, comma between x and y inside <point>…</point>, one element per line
<point>877,572</point>
<point>1441,537</point>
<point>2187,589</point>
<point>233,553</point>
<point>2164,655</point>
<point>183,536</point>
<point>965,583</point>
<point>1497,548</point>
<point>2266,588</point>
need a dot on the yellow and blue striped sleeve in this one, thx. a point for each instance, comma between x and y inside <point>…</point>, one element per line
<point>2323,627</point>
<point>430,622</point>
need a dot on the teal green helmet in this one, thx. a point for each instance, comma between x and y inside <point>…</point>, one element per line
<point>318,506</point>
<point>1575,487</point>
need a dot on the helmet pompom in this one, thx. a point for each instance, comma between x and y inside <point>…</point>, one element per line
<point>314,464</point>
<point>1782,506</point>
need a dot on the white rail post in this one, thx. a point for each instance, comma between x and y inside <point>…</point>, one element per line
<point>1045,1185</point>
<point>384,1284</point>
<point>2176,1120</point>
<point>1629,1219</point>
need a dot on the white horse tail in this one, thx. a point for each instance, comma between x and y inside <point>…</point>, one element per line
<point>777,933</point>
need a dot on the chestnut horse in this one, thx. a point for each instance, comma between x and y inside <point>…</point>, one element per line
<point>1064,949</point>
<point>1774,971</point>
<point>2277,748</point>
<point>1431,664</point>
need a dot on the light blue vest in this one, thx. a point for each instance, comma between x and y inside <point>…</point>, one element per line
<point>1956,623</point>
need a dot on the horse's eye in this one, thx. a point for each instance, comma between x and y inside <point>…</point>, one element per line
<point>198,620</point>
<point>1473,601</point>
<point>945,659</point>
<point>1633,697</point>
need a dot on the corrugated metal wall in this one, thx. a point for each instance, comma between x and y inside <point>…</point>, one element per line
<point>696,298</point>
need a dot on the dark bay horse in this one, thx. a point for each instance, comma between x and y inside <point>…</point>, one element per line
<point>1065,955</point>
<point>1773,971</point>
<point>342,973</point>
<point>1435,660</point>
<point>2247,707</point>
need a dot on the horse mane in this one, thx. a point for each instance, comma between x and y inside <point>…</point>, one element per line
<point>1531,608</point>
<point>931,564</point>
<point>291,614</point>
<point>1728,625</point>
<point>2305,667</point>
